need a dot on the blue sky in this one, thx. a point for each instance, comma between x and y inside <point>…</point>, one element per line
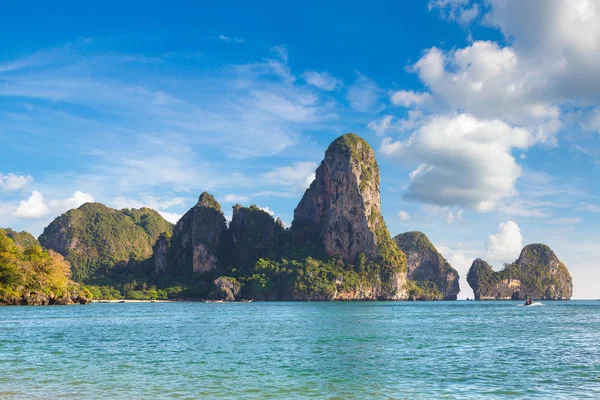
<point>485,116</point>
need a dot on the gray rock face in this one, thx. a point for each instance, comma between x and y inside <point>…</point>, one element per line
<point>252,232</point>
<point>427,265</point>
<point>341,211</point>
<point>196,239</point>
<point>537,274</point>
<point>342,198</point>
<point>160,254</point>
<point>226,288</point>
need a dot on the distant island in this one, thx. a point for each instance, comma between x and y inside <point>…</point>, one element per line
<point>337,248</point>
<point>536,274</point>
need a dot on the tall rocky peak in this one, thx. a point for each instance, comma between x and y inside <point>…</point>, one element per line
<point>95,238</point>
<point>252,233</point>
<point>537,273</point>
<point>341,208</point>
<point>341,212</point>
<point>208,200</point>
<point>427,266</point>
<point>195,242</point>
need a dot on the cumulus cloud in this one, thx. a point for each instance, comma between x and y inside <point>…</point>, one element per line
<point>489,82</point>
<point>506,244</point>
<point>171,217</point>
<point>36,206</point>
<point>268,211</point>
<point>12,182</point>
<point>461,259</point>
<point>460,161</point>
<point>297,177</point>
<point>553,60</point>
<point>322,80</point>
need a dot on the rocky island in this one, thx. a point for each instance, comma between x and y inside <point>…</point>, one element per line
<point>434,277</point>
<point>537,274</point>
<point>338,247</point>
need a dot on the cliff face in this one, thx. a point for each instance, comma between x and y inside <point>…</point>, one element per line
<point>95,238</point>
<point>195,242</point>
<point>427,267</point>
<point>537,273</point>
<point>252,234</point>
<point>341,211</point>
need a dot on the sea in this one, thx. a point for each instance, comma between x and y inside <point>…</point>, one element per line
<point>320,350</point>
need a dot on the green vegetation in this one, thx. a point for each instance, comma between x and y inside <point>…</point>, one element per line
<point>35,276</point>
<point>362,155</point>
<point>424,290</point>
<point>540,273</point>
<point>429,269</point>
<point>95,238</point>
<point>208,200</point>
<point>390,254</point>
<point>21,239</point>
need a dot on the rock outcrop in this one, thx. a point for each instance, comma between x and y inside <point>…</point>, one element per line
<point>160,252</point>
<point>252,233</point>
<point>428,268</point>
<point>537,274</point>
<point>194,245</point>
<point>226,288</point>
<point>340,211</point>
<point>95,238</point>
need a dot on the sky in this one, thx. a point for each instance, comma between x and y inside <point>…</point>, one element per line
<point>484,115</point>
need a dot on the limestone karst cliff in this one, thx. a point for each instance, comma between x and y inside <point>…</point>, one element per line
<point>194,244</point>
<point>537,273</point>
<point>341,211</point>
<point>434,277</point>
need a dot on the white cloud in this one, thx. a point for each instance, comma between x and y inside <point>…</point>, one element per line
<point>171,217</point>
<point>364,95</point>
<point>12,182</point>
<point>461,161</point>
<point>552,62</point>
<point>403,216</point>
<point>506,244</point>
<point>381,127</point>
<point>297,177</point>
<point>409,98</point>
<point>322,80</point>
<point>36,206</point>
<point>32,208</point>
<point>461,260</point>
<point>489,82</point>
<point>268,211</point>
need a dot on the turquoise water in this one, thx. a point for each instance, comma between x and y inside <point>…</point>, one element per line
<point>295,350</point>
